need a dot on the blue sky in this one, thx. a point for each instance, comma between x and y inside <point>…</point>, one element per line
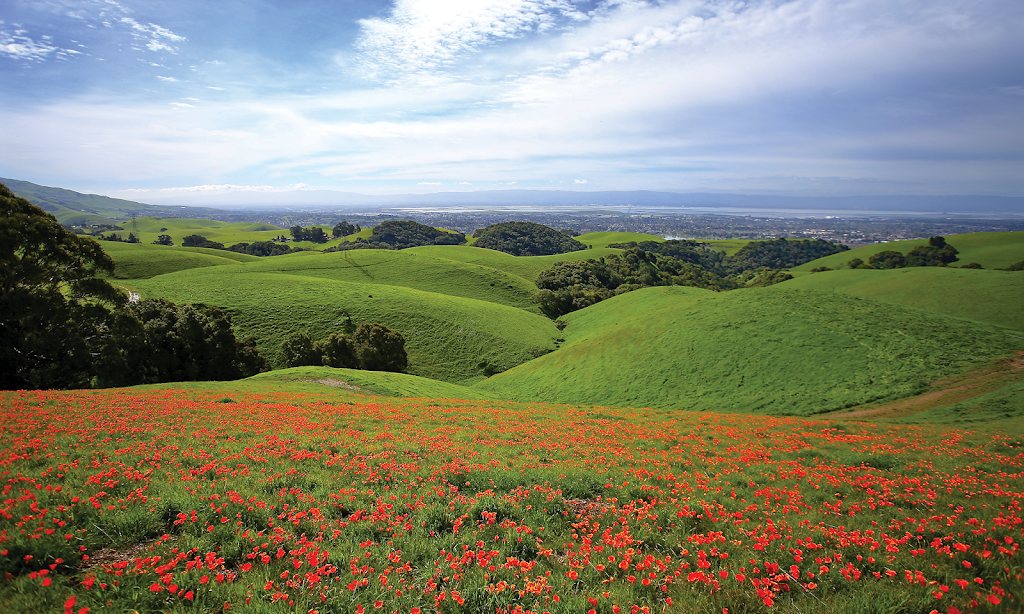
<point>822,97</point>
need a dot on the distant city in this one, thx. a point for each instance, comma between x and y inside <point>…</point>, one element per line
<point>855,230</point>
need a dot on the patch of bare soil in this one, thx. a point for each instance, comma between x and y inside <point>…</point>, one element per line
<point>586,507</point>
<point>336,383</point>
<point>945,392</point>
<point>108,556</point>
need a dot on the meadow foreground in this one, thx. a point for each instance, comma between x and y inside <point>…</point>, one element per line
<point>217,499</point>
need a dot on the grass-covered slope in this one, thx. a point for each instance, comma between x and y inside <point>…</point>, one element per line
<point>994,297</point>
<point>448,338</point>
<point>604,239</point>
<point>769,350</point>
<point>989,249</point>
<point>526,267</point>
<point>375,383</point>
<point>408,269</point>
<point>140,261</point>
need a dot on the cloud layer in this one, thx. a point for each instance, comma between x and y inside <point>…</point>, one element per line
<point>797,96</point>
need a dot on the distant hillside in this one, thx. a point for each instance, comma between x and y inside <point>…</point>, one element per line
<point>76,209</point>
<point>772,350</point>
<point>989,249</point>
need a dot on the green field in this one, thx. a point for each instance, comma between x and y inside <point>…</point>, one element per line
<point>773,350</point>
<point>380,383</point>
<point>604,239</point>
<point>994,297</point>
<point>141,261</point>
<point>448,338</point>
<point>989,249</point>
<point>526,267</point>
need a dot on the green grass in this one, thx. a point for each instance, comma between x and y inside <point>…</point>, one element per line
<point>376,382</point>
<point>409,269</point>
<point>140,261</point>
<point>994,297</point>
<point>604,239</point>
<point>989,249</point>
<point>526,267</point>
<point>773,350</point>
<point>729,246</point>
<point>448,338</point>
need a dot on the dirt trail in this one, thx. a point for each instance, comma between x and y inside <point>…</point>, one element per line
<point>945,392</point>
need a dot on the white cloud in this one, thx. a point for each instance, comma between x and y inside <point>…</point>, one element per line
<point>167,79</point>
<point>183,105</point>
<point>580,180</point>
<point>157,37</point>
<point>429,183</point>
<point>425,35</point>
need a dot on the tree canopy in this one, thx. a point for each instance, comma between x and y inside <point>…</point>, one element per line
<point>52,305</point>
<point>525,239</point>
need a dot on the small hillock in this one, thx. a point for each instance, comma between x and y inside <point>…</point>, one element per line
<point>525,239</point>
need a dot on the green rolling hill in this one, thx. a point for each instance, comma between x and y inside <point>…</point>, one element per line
<point>448,338</point>
<point>773,350</point>
<point>989,249</point>
<point>993,297</point>
<point>140,261</point>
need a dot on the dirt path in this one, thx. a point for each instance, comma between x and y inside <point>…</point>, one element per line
<point>944,392</point>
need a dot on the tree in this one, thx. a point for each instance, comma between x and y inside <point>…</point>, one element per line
<point>344,229</point>
<point>53,308</point>
<point>380,348</point>
<point>338,350</point>
<point>194,240</point>
<point>155,340</point>
<point>525,239</point>
<point>164,240</point>
<point>855,263</point>
<point>298,351</point>
<point>888,259</point>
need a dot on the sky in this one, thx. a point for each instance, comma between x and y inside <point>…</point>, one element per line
<point>794,97</point>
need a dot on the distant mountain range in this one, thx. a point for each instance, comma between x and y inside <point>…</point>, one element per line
<point>69,203</point>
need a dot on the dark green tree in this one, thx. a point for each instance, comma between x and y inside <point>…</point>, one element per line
<point>194,240</point>
<point>344,229</point>
<point>855,263</point>
<point>54,311</point>
<point>164,240</point>
<point>525,239</point>
<point>298,351</point>
<point>380,348</point>
<point>337,350</point>
<point>888,259</point>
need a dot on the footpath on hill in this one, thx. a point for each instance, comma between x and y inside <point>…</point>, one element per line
<point>944,393</point>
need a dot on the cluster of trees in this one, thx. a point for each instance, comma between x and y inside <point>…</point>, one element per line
<point>569,286</point>
<point>757,255</point>
<point>61,326</point>
<point>344,229</point>
<point>264,248</point>
<point>196,240</point>
<point>314,234</point>
<point>372,347</point>
<point>164,240</point>
<point>936,253</point>
<point>395,234</point>
<point>131,238</point>
<point>526,239</point>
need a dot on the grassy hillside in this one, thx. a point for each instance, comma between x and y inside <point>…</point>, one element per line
<point>375,382</point>
<point>526,267</point>
<point>140,261</point>
<point>448,338</point>
<point>989,249</point>
<point>408,269</point>
<point>604,239</point>
<point>771,350</point>
<point>995,297</point>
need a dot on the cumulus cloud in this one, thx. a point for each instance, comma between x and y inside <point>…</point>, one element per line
<point>425,35</point>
